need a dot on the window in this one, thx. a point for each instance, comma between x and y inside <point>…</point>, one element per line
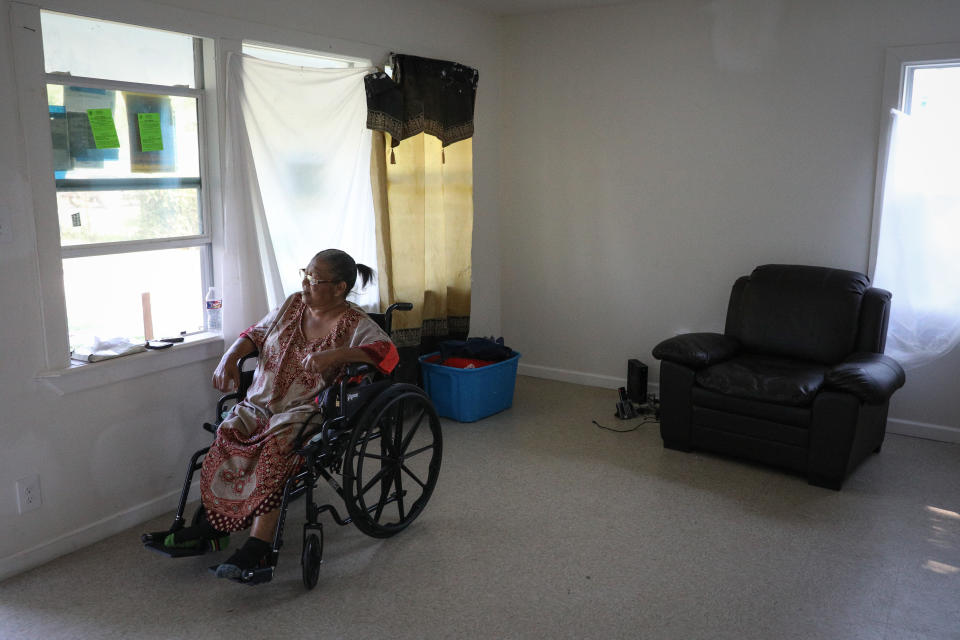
<point>917,206</point>
<point>930,167</point>
<point>124,108</point>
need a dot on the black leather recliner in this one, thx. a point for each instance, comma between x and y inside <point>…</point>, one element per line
<point>797,380</point>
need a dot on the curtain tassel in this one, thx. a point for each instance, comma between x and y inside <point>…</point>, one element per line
<point>393,159</point>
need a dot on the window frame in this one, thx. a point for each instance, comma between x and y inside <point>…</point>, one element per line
<point>31,80</point>
<point>897,80</point>
<point>203,239</point>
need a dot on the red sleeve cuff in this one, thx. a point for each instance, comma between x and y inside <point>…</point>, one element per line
<point>384,355</point>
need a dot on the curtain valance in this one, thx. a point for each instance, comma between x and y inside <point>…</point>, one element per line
<point>423,96</point>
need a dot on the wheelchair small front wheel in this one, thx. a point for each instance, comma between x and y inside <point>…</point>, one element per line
<point>310,559</point>
<point>391,465</point>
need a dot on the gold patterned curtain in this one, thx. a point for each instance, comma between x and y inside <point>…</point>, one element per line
<point>424,207</point>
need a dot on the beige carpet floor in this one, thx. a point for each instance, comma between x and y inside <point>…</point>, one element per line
<point>544,526</point>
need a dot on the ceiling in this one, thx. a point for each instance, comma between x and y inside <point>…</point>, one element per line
<point>516,7</point>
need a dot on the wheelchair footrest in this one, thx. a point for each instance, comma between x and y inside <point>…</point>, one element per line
<point>154,542</point>
<point>251,577</point>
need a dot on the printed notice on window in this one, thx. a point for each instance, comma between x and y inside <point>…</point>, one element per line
<point>103,128</point>
<point>151,136</point>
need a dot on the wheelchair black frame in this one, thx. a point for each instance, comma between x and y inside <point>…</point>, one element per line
<point>323,450</point>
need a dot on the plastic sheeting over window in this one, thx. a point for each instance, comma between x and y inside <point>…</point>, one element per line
<point>920,224</point>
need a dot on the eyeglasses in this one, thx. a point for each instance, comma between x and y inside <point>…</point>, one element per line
<point>313,281</point>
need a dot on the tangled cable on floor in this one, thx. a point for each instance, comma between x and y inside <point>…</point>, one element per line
<point>646,420</point>
<point>650,411</point>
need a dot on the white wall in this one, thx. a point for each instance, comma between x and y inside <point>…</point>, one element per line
<point>113,456</point>
<point>654,152</point>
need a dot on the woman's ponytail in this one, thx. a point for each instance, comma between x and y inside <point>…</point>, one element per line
<point>365,273</point>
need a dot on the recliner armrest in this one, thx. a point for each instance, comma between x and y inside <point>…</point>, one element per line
<point>697,350</point>
<point>872,377</point>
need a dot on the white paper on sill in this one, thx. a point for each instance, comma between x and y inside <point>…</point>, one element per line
<point>106,349</point>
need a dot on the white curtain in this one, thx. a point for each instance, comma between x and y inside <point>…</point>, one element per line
<point>917,253</point>
<point>297,181</point>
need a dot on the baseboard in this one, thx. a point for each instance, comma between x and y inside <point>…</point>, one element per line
<point>925,430</point>
<point>578,377</point>
<point>87,535</point>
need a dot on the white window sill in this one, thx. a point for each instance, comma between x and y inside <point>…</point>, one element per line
<point>80,376</point>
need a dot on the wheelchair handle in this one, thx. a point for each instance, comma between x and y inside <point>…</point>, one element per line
<point>388,314</point>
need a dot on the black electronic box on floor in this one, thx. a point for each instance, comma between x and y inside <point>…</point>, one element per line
<point>637,381</point>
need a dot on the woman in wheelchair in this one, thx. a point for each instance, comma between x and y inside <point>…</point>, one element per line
<point>303,346</point>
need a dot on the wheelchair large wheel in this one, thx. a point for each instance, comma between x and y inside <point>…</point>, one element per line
<point>392,462</point>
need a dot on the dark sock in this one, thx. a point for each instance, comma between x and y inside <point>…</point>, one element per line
<point>255,550</point>
<point>251,555</point>
<point>196,536</point>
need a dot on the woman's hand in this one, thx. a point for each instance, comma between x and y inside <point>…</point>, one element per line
<point>321,361</point>
<point>226,377</point>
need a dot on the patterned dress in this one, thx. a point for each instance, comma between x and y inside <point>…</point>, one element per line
<point>245,471</point>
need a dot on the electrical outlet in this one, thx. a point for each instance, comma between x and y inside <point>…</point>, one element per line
<point>28,494</point>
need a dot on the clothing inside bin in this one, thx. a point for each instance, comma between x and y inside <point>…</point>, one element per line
<point>460,363</point>
<point>475,349</point>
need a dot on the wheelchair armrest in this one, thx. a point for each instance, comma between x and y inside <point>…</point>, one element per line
<point>358,368</point>
<point>246,377</point>
<point>225,398</point>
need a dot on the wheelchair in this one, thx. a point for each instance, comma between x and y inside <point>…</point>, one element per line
<point>376,442</point>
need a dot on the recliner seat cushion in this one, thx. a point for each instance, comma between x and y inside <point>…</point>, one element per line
<point>766,378</point>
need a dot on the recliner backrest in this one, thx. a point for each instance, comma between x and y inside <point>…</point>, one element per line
<point>874,319</point>
<point>794,311</point>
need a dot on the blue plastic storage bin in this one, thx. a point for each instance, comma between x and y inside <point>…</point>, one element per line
<point>467,395</point>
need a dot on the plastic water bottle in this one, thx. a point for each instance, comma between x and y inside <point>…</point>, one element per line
<point>214,307</point>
